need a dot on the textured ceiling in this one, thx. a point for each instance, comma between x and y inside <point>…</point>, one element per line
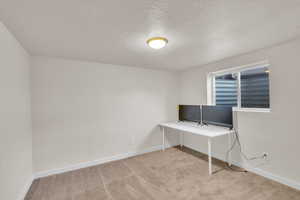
<point>115,31</point>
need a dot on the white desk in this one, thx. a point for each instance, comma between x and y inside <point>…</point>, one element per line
<point>207,131</point>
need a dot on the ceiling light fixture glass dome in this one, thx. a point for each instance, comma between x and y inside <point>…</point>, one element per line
<point>157,42</point>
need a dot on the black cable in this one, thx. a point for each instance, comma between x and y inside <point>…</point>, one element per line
<point>237,141</point>
<point>227,155</point>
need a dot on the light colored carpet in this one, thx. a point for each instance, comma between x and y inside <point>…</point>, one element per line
<point>174,174</point>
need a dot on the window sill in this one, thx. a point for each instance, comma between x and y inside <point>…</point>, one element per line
<point>260,110</point>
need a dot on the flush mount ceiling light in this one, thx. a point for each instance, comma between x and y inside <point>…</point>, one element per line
<point>157,42</point>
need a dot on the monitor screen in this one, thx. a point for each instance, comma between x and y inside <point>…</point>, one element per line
<point>217,115</point>
<point>190,113</point>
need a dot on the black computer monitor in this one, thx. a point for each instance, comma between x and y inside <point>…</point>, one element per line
<point>190,113</point>
<point>217,115</point>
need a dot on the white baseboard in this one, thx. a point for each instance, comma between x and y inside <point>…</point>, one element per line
<point>258,171</point>
<point>97,162</point>
<point>274,177</point>
<point>25,189</point>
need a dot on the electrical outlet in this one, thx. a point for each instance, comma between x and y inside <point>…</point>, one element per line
<point>265,155</point>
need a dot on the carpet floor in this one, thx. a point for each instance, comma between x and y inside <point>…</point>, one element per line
<point>175,174</point>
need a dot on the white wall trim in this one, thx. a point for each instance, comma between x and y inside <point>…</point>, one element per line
<point>25,189</point>
<point>276,178</point>
<point>249,168</point>
<point>259,110</point>
<point>264,63</point>
<point>258,171</point>
<point>98,161</point>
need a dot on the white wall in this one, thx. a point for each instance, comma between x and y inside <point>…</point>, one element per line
<point>15,120</point>
<point>276,133</point>
<point>84,111</point>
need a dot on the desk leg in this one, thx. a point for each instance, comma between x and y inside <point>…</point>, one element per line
<point>163,139</point>
<point>209,157</point>
<point>181,140</point>
<point>229,147</point>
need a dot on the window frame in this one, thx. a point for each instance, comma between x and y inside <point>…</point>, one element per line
<point>211,99</point>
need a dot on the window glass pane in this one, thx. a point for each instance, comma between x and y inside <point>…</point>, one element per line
<point>226,90</point>
<point>255,88</point>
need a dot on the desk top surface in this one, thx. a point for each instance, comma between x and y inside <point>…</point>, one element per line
<point>190,127</point>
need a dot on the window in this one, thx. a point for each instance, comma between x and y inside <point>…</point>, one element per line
<point>244,87</point>
<point>226,90</point>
